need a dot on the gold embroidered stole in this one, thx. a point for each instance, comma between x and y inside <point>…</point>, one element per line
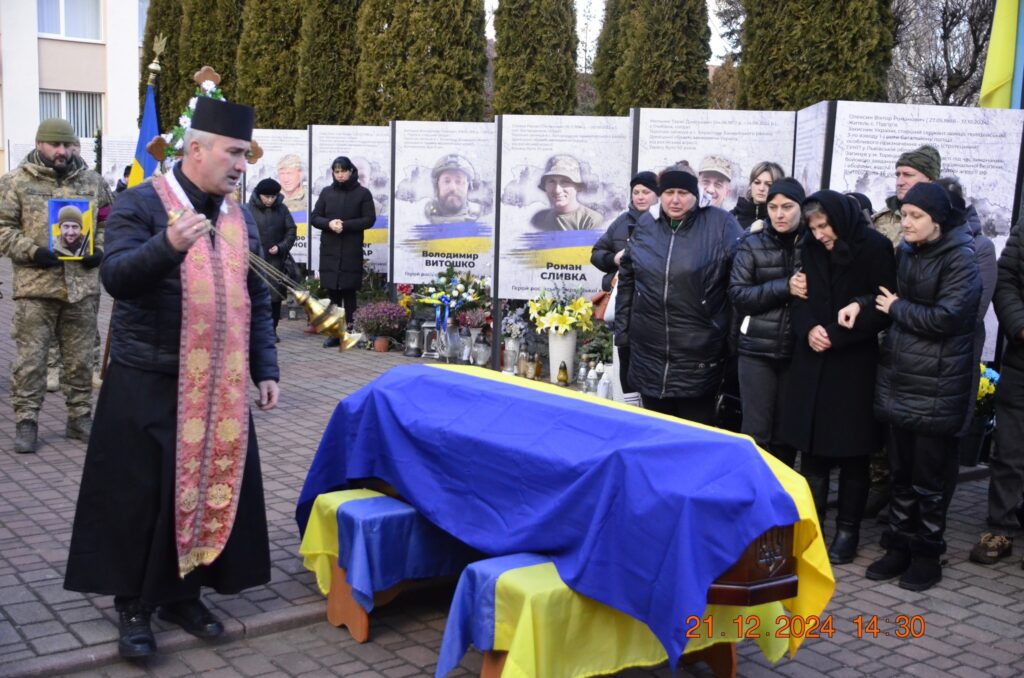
<point>213,410</point>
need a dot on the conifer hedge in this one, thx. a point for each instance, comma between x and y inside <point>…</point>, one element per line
<point>535,65</point>
<point>267,64</point>
<point>325,93</point>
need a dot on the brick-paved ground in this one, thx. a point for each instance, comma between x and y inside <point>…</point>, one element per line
<point>975,617</point>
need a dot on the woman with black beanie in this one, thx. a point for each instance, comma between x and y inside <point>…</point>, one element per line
<point>829,415</point>
<point>343,211</point>
<point>924,381</point>
<point>277,235</point>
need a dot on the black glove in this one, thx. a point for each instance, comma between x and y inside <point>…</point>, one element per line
<point>94,259</point>
<point>44,258</point>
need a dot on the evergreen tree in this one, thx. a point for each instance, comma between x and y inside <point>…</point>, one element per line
<point>382,34</point>
<point>266,62</point>
<point>795,54</point>
<point>446,63</point>
<point>325,93</point>
<point>609,53</point>
<point>665,51</point>
<point>535,66</point>
<point>163,19</point>
<point>724,86</point>
<point>209,35</point>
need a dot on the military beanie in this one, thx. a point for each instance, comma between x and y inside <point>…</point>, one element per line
<point>56,131</point>
<point>925,159</point>
<point>69,213</point>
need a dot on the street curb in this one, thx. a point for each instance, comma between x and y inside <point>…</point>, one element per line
<point>96,656</point>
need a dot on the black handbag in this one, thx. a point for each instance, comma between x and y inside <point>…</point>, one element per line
<point>291,268</point>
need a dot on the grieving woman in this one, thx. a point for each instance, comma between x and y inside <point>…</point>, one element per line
<point>343,212</point>
<point>766,278</point>
<point>672,307</point>
<point>924,381</point>
<point>754,204</point>
<point>829,396</point>
<point>277,235</point>
<point>610,247</point>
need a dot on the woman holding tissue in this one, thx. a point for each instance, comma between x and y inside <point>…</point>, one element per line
<point>829,413</point>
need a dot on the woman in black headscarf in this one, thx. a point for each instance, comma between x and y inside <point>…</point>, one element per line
<point>343,211</point>
<point>829,414</point>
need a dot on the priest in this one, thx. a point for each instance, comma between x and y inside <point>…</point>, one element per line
<point>171,497</point>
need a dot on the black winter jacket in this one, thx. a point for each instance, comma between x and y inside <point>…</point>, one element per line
<point>341,254</point>
<point>276,226</point>
<point>1009,297</point>
<point>140,270</point>
<point>747,211</point>
<point>759,292</point>
<point>611,243</point>
<point>927,362</point>
<point>672,306</point>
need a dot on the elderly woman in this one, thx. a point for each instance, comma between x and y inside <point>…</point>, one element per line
<point>766,278</point>
<point>672,306</point>
<point>343,211</point>
<point>831,388</point>
<point>754,205</point>
<point>924,381</point>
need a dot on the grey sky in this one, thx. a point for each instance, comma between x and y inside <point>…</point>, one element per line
<point>589,16</point>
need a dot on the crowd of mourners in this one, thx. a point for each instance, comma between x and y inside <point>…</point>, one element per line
<point>856,338</point>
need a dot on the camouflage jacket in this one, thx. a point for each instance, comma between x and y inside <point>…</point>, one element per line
<point>887,222</point>
<point>24,196</point>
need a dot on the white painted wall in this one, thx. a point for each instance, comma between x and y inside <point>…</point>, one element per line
<point>19,56</point>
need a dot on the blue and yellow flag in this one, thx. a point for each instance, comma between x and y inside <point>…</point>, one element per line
<point>144,164</point>
<point>1004,66</point>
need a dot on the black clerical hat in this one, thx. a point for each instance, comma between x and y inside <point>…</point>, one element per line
<point>224,118</point>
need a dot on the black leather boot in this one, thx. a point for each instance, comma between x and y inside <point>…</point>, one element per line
<point>844,546</point>
<point>192,616</point>
<point>894,562</point>
<point>136,637</point>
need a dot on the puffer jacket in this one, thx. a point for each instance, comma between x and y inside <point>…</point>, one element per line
<point>1009,297</point>
<point>927,360</point>
<point>747,211</point>
<point>24,226</point>
<point>672,307</point>
<point>276,227</point>
<point>611,243</point>
<point>759,292</point>
<point>141,271</point>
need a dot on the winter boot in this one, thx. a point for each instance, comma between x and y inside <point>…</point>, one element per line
<point>894,562</point>
<point>25,437</point>
<point>844,546</point>
<point>79,428</point>
<point>925,571</point>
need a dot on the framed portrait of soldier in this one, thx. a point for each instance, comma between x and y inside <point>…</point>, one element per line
<point>443,199</point>
<point>71,228</point>
<point>563,180</point>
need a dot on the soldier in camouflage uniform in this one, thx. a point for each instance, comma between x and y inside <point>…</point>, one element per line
<point>922,165</point>
<point>919,166</point>
<point>49,292</point>
<point>453,178</point>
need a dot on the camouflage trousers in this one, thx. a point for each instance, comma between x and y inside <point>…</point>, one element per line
<point>38,323</point>
<point>55,362</point>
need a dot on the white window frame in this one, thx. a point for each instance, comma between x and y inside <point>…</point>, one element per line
<point>63,109</point>
<point>61,35</point>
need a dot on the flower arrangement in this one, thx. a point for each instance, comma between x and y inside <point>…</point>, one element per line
<point>474,317</point>
<point>513,323</point>
<point>454,291</point>
<point>984,406</point>
<point>405,298</point>
<point>561,312</point>
<point>381,319</point>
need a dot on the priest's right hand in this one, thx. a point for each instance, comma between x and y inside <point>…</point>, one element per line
<point>186,230</point>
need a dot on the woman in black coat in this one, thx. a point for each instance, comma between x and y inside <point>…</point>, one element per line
<point>924,381</point>
<point>672,307</point>
<point>343,211</point>
<point>766,278</point>
<point>609,248</point>
<point>829,414</point>
<point>277,234</point>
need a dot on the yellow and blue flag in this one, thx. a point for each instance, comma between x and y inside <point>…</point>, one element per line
<point>144,164</point>
<point>1003,78</point>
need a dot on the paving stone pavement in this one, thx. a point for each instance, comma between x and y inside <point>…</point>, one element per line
<point>974,618</point>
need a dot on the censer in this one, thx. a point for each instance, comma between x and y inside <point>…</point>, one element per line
<point>327,317</point>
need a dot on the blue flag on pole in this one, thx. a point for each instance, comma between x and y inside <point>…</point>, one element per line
<point>144,164</point>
